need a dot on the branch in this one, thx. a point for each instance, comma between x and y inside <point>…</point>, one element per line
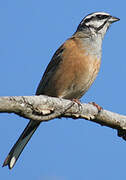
<point>44,108</point>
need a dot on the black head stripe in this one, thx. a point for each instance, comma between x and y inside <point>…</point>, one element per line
<point>96,17</point>
<point>91,20</point>
<point>88,19</point>
<point>100,27</point>
<point>101,17</point>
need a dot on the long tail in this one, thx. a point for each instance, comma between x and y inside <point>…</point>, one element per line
<point>20,144</point>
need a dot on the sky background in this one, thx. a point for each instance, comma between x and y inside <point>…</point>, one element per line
<point>62,149</point>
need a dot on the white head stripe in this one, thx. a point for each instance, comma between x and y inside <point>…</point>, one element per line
<point>94,14</point>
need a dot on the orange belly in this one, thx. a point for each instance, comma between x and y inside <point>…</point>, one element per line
<point>75,73</point>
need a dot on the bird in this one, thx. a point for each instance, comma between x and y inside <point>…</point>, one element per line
<point>71,71</point>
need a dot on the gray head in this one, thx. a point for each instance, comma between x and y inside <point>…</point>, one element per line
<point>96,23</point>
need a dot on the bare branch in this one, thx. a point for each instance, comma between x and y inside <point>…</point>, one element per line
<point>44,108</point>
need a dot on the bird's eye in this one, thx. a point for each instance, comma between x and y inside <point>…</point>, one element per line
<point>99,16</point>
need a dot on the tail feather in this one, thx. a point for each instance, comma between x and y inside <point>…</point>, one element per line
<point>20,144</point>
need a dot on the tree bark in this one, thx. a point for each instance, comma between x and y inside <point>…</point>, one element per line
<point>44,108</point>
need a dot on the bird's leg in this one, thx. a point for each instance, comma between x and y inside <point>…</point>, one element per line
<point>76,101</point>
<point>99,108</point>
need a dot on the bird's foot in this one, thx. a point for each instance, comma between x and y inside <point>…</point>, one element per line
<point>99,108</point>
<point>76,101</point>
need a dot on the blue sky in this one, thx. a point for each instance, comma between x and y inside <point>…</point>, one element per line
<point>65,149</point>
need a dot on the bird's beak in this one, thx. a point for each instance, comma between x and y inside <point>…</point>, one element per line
<point>113,19</point>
